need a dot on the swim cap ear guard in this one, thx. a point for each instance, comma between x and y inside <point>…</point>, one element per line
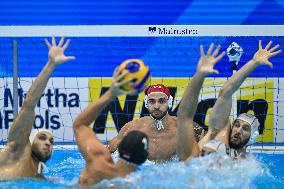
<point>158,88</point>
<point>254,125</point>
<point>134,148</point>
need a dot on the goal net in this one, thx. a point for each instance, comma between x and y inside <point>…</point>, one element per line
<point>172,53</point>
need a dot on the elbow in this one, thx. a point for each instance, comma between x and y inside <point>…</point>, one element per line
<point>185,114</point>
<point>76,124</point>
<point>182,156</point>
<point>225,91</point>
<point>181,107</point>
<point>111,147</point>
<point>182,112</point>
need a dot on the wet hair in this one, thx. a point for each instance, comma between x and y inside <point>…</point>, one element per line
<point>134,147</point>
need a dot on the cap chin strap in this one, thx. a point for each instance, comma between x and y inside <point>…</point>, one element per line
<point>159,122</point>
<point>232,152</point>
<point>222,148</point>
<point>41,167</point>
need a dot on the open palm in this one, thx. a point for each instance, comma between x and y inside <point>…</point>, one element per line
<point>56,52</point>
<point>207,62</point>
<point>262,55</point>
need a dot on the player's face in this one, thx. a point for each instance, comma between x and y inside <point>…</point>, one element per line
<point>158,104</point>
<point>240,134</point>
<point>42,146</point>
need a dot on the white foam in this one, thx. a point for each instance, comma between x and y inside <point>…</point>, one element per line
<point>212,171</point>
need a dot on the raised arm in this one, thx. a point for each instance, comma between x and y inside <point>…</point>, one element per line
<point>222,108</point>
<point>21,128</point>
<point>87,141</point>
<point>113,143</point>
<point>186,144</point>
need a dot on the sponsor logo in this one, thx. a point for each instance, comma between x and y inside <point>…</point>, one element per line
<point>176,31</point>
<point>52,98</point>
<point>254,97</point>
<point>152,29</point>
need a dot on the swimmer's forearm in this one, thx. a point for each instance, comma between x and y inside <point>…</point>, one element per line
<point>38,86</point>
<point>222,108</point>
<point>91,113</point>
<point>22,126</point>
<point>260,58</point>
<point>112,146</point>
<point>234,83</point>
<point>189,100</point>
<point>185,137</point>
<point>219,116</point>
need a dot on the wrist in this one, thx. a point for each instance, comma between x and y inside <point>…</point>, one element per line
<point>51,64</point>
<point>254,61</point>
<point>110,94</point>
<point>200,74</point>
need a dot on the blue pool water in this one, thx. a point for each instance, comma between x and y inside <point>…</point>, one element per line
<point>261,171</point>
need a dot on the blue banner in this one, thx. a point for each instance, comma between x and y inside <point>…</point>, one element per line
<point>141,12</point>
<point>166,56</point>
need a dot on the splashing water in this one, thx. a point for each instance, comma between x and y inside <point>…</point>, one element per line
<point>207,172</point>
<point>212,171</point>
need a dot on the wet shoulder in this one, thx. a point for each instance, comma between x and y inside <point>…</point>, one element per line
<point>12,153</point>
<point>95,171</point>
<point>141,121</point>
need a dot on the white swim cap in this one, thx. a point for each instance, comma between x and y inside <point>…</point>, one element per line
<point>35,132</point>
<point>254,124</point>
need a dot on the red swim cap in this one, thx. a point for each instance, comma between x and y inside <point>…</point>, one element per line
<point>158,88</point>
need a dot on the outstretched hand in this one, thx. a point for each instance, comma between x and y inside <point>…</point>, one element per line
<point>117,83</point>
<point>56,52</point>
<point>207,62</point>
<point>262,55</point>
